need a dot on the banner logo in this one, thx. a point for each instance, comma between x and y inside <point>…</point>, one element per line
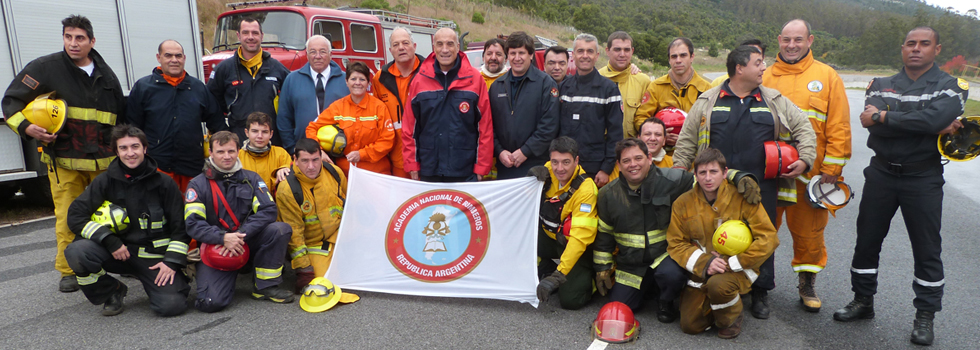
<point>438,236</point>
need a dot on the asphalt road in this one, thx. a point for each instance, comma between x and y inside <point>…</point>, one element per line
<point>34,314</point>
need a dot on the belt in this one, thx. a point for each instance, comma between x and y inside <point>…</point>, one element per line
<point>907,168</point>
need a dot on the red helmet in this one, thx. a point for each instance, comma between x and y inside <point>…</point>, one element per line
<point>211,256</point>
<point>672,118</point>
<point>615,324</point>
<point>779,155</point>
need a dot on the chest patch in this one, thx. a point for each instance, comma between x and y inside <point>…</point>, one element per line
<point>307,207</point>
<point>464,107</point>
<point>814,86</point>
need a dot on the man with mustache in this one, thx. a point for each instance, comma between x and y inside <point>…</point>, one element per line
<point>494,61</point>
<point>171,105</point>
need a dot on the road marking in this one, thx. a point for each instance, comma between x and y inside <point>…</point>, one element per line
<point>597,345</point>
<point>27,222</point>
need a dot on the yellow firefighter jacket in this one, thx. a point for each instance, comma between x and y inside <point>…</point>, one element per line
<point>585,218</point>
<point>265,164</point>
<point>317,219</point>
<point>819,92</point>
<point>631,88</point>
<point>661,94</point>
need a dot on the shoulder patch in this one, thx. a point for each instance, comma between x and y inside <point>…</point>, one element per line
<point>33,83</point>
<point>585,208</point>
<point>869,84</point>
<point>190,196</point>
<point>963,84</point>
<point>554,92</point>
<point>646,97</point>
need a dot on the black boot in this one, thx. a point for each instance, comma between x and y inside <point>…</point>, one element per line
<point>922,328</point>
<point>862,307</point>
<point>666,312</point>
<point>114,305</point>
<point>760,304</point>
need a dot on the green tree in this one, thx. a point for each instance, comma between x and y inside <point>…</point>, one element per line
<point>477,18</point>
<point>713,49</point>
<point>591,19</point>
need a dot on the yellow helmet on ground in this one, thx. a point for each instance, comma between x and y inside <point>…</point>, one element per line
<point>732,238</point>
<point>112,216</point>
<point>332,140</point>
<point>964,144</point>
<point>320,295</point>
<point>47,113</point>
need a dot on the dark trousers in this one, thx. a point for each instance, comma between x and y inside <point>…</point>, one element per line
<point>471,178</point>
<point>577,289</point>
<point>767,271</point>
<point>91,261</point>
<point>920,197</point>
<point>267,250</point>
<point>669,278</point>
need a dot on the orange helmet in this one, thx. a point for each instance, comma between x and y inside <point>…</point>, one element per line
<point>672,118</point>
<point>779,155</point>
<point>211,256</point>
<point>615,324</point>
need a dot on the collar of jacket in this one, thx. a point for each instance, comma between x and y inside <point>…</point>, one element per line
<point>335,71</point>
<point>783,68</point>
<point>647,187</point>
<point>726,192</point>
<point>462,68</point>
<point>100,65</point>
<point>529,75</point>
<point>306,180</point>
<point>257,152</point>
<point>211,171</point>
<point>618,77</point>
<point>117,172</point>
<point>592,78</point>
<point>386,69</point>
<point>160,79</point>
<point>931,75</point>
<point>555,190</point>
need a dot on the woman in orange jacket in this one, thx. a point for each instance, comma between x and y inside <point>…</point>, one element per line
<point>365,122</point>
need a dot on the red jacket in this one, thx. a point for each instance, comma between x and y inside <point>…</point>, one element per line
<point>448,130</point>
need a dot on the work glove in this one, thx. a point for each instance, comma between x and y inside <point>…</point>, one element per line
<point>303,278</point>
<point>747,185</point>
<point>550,284</point>
<point>539,172</point>
<point>604,281</point>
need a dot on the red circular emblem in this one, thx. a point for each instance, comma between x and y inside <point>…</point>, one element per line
<point>464,107</point>
<point>438,236</point>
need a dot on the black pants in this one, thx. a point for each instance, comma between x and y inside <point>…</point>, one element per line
<point>768,189</point>
<point>920,196</point>
<point>668,278</point>
<point>90,261</point>
<point>576,292</point>
<point>267,249</point>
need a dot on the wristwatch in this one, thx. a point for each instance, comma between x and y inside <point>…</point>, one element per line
<point>876,117</point>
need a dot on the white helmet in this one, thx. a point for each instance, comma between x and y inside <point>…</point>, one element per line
<point>830,196</point>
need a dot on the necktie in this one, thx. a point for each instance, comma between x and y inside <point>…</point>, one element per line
<point>319,91</point>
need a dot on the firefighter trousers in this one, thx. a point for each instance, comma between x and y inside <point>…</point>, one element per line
<point>66,185</point>
<point>920,197</point>
<point>806,225</point>
<point>215,288</point>
<point>577,290</point>
<point>715,302</point>
<point>667,279</point>
<point>91,261</point>
<point>767,271</point>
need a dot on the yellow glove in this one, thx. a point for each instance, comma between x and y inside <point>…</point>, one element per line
<point>604,281</point>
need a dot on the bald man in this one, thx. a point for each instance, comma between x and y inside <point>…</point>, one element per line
<point>308,91</point>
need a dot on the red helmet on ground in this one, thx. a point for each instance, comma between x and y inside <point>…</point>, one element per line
<point>211,256</point>
<point>672,118</point>
<point>615,324</point>
<point>779,155</point>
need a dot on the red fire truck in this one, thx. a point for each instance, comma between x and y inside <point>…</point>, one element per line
<point>355,34</point>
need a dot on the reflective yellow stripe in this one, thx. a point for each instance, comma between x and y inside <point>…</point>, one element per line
<point>807,268</point>
<point>630,240</point>
<point>816,115</point>
<point>161,242</point>
<point>91,114</point>
<point>584,221</point>
<point>369,118</point>
<point>628,279</point>
<point>835,160</point>
<point>703,137</point>
<point>604,227</point>
<point>79,164</point>
<point>658,260</point>
<point>15,120</point>
<point>194,208</point>
<point>336,211</point>
<point>340,117</point>
<point>760,109</point>
<point>298,252</point>
<point>143,254</point>
<point>90,279</point>
<point>268,274</point>
<point>177,247</point>
<point>311,219</point>
<point>656,236</point>
<point>318,251</point>
<point>90,228</point>
<point>156,225</point>
<point>602,258</point>
<point>787,194</point>
<point>721,109</point>
<point>785,136</point>
<point>255,204</point>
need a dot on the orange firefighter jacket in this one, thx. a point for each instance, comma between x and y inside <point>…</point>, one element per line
<point>693,222</point>
<point>819,92</point>
<point>317,219</point>
<point>368,128</point>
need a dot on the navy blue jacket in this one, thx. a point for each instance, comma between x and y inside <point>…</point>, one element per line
<point>238,94</point>
<point>297,102</point>
<point>247,195</point>
<point>592,115</point>
<point>171,117</point>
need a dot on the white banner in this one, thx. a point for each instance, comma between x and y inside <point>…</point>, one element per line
<point>466,240</point>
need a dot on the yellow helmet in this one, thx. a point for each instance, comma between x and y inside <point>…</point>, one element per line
<point>332,140</point>
<point>319,296</point>
<point>732,238</point>
<point>112,216</point>
<point>964,144</point>
<point>47,113</point>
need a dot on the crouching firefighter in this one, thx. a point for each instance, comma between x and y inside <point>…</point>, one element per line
<point>130,222</point>
<point>311,201</point>
<point>568,226</point>
<point>231,207</point>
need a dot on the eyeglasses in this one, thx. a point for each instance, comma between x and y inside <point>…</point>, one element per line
<point>317,53</point>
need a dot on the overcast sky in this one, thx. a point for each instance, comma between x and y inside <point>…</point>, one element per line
<point>959,5</point>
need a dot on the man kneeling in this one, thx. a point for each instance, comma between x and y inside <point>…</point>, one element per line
<point>137,229</point>
<point>712,294</point>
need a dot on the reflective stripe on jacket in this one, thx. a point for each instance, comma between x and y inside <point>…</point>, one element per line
<point>315,220</point>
